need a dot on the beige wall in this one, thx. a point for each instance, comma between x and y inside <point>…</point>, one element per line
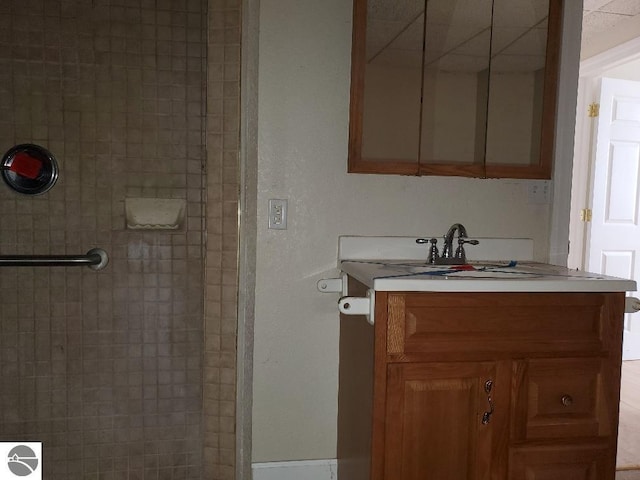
<point>627,71</point>
<point>302,141</point>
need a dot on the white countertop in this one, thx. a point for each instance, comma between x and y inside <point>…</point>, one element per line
<point>402,275</point>
<point>399,264</point>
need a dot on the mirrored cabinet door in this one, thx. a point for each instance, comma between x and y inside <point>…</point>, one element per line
<point>386,85</point>
<point>521,112</point>
<point>455,85</point>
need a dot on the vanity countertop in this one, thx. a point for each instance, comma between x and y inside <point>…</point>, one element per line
<point>507,276</point>
<point>398,264</point>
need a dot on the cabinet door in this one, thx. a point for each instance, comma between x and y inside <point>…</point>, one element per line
<point>455,86</point>
<point>386,82</point>
<point>522,88</point>
<point>434,427</point>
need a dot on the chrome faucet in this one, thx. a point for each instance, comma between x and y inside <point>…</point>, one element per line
<point>447,250</point>
<point>449,257</point>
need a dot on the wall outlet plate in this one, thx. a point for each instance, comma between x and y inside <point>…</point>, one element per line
<point>539,192</point>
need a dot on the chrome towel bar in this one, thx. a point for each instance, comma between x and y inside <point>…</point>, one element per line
<point>96,259</point>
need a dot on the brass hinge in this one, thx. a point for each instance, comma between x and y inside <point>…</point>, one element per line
<point>594,110</point>
<point>586,215</point>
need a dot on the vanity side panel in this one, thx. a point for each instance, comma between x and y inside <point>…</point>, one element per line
<point>355,393</point>
<point>613,337</point>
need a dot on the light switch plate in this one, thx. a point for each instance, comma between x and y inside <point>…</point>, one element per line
<point>278,214</point>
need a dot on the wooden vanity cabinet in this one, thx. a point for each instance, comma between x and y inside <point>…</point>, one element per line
<point>541,369</point>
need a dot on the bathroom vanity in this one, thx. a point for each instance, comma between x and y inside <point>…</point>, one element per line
<point>502,370</point>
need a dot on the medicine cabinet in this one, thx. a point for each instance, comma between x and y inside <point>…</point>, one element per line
<point>454,87</point>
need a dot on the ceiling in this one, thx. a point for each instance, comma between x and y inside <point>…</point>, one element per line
<point>603,16</point>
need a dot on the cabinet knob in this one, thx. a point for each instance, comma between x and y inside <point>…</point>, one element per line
<point>567,400</point>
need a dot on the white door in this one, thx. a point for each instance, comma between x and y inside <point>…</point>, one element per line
<point>614,240</point>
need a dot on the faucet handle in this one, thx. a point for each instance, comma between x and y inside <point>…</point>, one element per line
<point>462,241</point>
<point>434,254</point>
<point>433,251</point>
<point>460,253</point>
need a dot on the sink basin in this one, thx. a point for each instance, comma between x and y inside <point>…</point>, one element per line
<point>511,274</point>
<point>475,270</point>
<point>421,266</point>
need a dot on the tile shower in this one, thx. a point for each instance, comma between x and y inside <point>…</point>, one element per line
<point>128,372</point>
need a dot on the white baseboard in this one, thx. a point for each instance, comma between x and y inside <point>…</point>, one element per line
<point>299,470</point>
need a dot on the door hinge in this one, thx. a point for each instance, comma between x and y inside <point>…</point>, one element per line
<point>586,214</point>
<point>594,110</point>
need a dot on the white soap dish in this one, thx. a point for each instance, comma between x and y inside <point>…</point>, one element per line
<point>155,213</point>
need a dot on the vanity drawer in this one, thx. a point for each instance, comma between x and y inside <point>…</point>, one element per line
<point>560,398</point>
<point>433,323</point>
<point>553,462</point>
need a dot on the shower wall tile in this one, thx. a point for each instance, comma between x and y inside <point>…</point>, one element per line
<point>223,67</point>
<point>110,368</point>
